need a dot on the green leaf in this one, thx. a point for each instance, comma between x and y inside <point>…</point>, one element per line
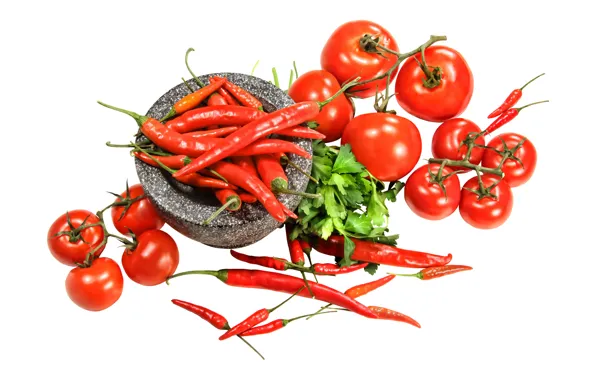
<point>394,189</point>
<point>325,228</point>
<point>349,247</point>
<point>295,232</point>
<point>339,182</point>
<point>333,208</point>
<point>371,268</point>
<point>376,209</point>
<point>305,206</point>
<point>354,198</point>
<point>389,240</point>
<point>321,167</point>
<point>319,148</point>
<point>346,161</point>
<point>358,223</point>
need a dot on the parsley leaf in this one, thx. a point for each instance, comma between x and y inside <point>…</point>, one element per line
<point>358,223</point>
<point>376,209</point>
<point>325,228</point>
<point>371,268</point>
<point>339,182</point>
<point>349,247</point>
<point>346,161</point>
<point>321,167</point>
<point>332,206</point>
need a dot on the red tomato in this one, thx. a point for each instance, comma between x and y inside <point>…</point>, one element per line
<point>448,137</point>
<point>515,173</point>
<point>343,57</point>
<point>319,85</point>
<point>154,259</point>
<point>427,199</point>
<point>97,287</point>
<point>73,248</point>
<point>388,145</point>
<point>445,101</point>
<point>140,216</point>
<point>487,212</point>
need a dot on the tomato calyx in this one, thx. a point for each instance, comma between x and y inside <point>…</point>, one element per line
<point>370,44</point>
<point>433,78</point>
<point>484,192</point>
<point>75,233</point>
<point>509,154</point>
<point>438,178</point>
<point>126,201</point>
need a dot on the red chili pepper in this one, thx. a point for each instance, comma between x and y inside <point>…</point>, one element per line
<point>216,100</point>
<point>270,146</point>
<point>215,132</point>
<point>264,261</point>
<point>275,325</point>
<point>392,315</point>
<point>246,163</point>
<point>216,320</point>
<point>436,272</point>
<point>296,252</point>
<point>224,93</point>
<point>252,184</point>
<point>193,100</point>
<point>253,320</point>
<point>243,96</point>
<point>253,131</point>
<point>381,253</point>
<point>195,180</point>
<point>229,199</point>
<point>288,212</point>
<point>512,99</point>
<point>306,248</point>
<point>303,132</point>
<point>173,162</point>
<point>274,176</point>
<point>506,117</point>
<point>247,198</point>
<point>214,115</point>
<point>333,269</point>
<point>280,282</point>
<point>362,289</point>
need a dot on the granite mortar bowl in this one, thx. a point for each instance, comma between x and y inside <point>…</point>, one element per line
<point>186,208</point>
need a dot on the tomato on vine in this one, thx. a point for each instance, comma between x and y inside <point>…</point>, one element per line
<point>430,195</point>
<point>345,57</point>
<point>486,201</point>
<point>133,211</point>
<point>389,146</point>
<point>520,155</point>
<point>73,235</point>
<point>97,286</point>
<point>319,85</point>
<point>152,258</point>
<point>436,86</point>
<point>448,141</point>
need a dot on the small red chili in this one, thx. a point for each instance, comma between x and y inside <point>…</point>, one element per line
<point>302,132</point>
<point>512,99</point>
<point>193,100</point>
<point>264,261</point>
<point>392,315</point>
<point>274,176</point>
<point>362,289</point>
<point>215,132</point>
<point>247,198</point>
<point>210,316</point>
<point>243,96</point>
<point>225,94</point>
<point>333,269</point>
<point>506,117</point>
<point>245,162</point>
<point>276,325</point>
<point>213,115</point>
<point>436,272</point>
<point>269,146</point>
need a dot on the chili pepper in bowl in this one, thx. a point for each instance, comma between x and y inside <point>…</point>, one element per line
<point>216,100</point>
<point>247,198</point>
<point>512,99</point>
<point>215,132</point>
<point>243,96</point>
<point>229,199</point>
<point>213,115</point>
<point>270,146</point>
<point>225,93</point>
<point>245,162</point>
<point>274,176</point>
<point>193,100</point>
<point>302,132</point>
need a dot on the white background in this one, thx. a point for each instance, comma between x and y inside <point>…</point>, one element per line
<point>524,311</point>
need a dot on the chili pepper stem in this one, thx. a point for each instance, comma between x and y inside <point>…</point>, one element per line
<point>307,316</point>
<point>231,202</point>
<point>201,84</point>
<point>285,301</point>
<point>215,273</point>
<point>138,118</point>
<point>295,166</point>
<point>320,311</point>
<point>530,81</point>
<point>531,104</point>
<point>417,274</point>
<point>307,285</point>
<point>251,346</point>
<point>161,164</point>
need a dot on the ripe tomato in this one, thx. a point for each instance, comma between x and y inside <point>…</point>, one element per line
<point>140,216</point>
<point>427,199</point>
<point>487,212</point>
<point>72,248</point>
<point>445,101</point>
<point>448,137</point>
<point>154,259</point>
<point>319,85</point>
<point>343,57</point>
<point>97,287</point>
<point>515,173</point>
<point>388,145</point>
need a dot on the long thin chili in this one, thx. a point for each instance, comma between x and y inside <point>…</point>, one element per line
<point>216,132</point>
<point>269,146</point>
<point>214,115</point>
<point>229,199</point>
<point>247,163</point>
<point>512,99</point>
<point>264,261</point>
<point>274,176</point>
<point>362,289</point>
<point>276,325</point>
<point>506,117</point>
<point>303,132</point>
<point>246,197</point>
<point>224,93</point>
<point>193,100</point>
<point>436,272</point>
<point>334,269</point>
<point>243,96</point>
<point>392,315</point>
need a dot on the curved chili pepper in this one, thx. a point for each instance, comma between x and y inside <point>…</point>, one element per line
<point>303,132</point>
<point>506,117</point>
<point>253,131</point>
<point>214,115</point>
<point>436,272</point>
<point>243,96</point>
<point>245,162</point>
<point>195,180</point>
<point>275,325</point>
<point>193,100</point>
<point>392,315</point>
<point>216,100</point>
<point>269,146</point>
<point>284,283</point>
<point>252,184</point>
<point>247,198</point>
<point>296,252</point>
<point>381,253</point>
<point>306,248</point>
<point>229,200</point>
<point>512,99</point>
<point>216,320</point>
<point>224,93</point>
<point>264,261</point>
<point>362,289</point>
<point>173,162</point>
<point>333,269</point>
<point>216,132</point>
<point>274,176</point>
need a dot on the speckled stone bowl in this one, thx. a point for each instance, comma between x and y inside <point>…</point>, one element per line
<point>186,208</point>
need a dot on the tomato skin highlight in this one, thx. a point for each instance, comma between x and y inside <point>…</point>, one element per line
<point>72,253</point>
<point>141,216</point>
<point>388,145</point>
<point>486,213</point>
<point>97,287</point>
<point>449,99</point>
<point>515,173</point>
<point>319,85</point>
<point>448,137</point>
<point>426,199</point>
<point>343,57</point>
<point>154,259</point>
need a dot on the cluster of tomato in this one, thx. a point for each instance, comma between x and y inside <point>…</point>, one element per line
<point>78,237</point>
<point>434,84</point>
